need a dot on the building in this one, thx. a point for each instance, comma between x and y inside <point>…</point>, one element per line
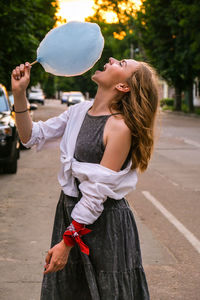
<point>165,91</point>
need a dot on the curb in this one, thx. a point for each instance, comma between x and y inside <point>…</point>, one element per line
<point>181,113</point>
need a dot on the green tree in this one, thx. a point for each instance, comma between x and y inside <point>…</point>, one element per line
<point>190,25</point>
<point>162,31</point>
<point>81,83</point>
<point>23,24</point>
<point>49,86</point>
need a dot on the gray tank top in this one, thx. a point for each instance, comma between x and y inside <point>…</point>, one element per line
<point>89,144</point>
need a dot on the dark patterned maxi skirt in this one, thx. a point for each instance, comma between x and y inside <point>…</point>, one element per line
<point>112,271</point>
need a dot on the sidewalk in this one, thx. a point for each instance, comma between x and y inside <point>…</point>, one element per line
<point>181,113</point>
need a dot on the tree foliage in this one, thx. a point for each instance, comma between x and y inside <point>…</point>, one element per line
<point>48,86</point>
<point>23,24</point>
<point>166,30</point>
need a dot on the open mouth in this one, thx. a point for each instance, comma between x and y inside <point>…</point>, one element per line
<point>104,69</point>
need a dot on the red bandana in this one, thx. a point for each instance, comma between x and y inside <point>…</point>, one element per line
<point>73,235</point>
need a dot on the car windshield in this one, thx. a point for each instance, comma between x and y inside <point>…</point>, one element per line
<point>3,102</point>
<point>76,97</point>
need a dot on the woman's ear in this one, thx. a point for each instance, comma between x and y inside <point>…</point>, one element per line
<point>122,87</point>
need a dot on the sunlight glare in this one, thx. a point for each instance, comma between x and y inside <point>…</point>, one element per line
<point>78,10</point>
<point>75,10</point>
<point>110,17</point>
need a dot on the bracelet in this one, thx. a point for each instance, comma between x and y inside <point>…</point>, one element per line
<point>19,112</point>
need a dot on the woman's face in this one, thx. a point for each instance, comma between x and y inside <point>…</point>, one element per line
<point>115,72</point>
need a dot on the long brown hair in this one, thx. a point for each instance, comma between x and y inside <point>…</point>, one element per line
<point>139,108</point>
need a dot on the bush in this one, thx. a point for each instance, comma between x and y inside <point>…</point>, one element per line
<point>167,101</point>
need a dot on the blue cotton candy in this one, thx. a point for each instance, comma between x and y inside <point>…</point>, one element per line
<point>71,49</point>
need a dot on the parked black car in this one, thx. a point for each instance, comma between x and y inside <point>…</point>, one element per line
<point>9,139</point>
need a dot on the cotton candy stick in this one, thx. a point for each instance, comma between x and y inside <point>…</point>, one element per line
<point>34,62</point>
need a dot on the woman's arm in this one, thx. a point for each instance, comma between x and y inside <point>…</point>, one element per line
<point>32,133</point>
<point>20,79</point>
<point>43,131</point>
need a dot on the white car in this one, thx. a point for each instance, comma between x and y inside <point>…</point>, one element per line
<point>65,96</point>
<point>74,99</point>
<point>36,96</point>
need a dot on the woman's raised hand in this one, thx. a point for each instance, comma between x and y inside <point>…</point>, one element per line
<point>20,78</point>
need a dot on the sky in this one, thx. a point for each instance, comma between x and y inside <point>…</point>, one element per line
<point>75,9</point>
<point>80,9</point>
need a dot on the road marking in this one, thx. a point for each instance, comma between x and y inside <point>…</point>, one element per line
<point>166,178</point>
<point>185,140</point>
<point>173,182</point>
<point>179,226</point>
<point>190,142</point>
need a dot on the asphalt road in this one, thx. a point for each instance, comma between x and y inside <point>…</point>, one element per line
<point>166,204</point>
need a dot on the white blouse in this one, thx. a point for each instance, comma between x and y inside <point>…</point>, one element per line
<point>96,181</point>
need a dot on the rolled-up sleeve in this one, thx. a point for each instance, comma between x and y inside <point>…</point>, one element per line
<point>98,183</point>
<point>90,206</point>
<point>45,131</point>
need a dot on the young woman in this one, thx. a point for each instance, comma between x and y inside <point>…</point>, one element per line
<point>95,251</point>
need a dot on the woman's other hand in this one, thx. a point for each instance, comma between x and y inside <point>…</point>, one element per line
<point>20,78</point>
<point>57,257</point>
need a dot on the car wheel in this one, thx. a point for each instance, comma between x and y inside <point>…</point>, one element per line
<point>11,167</point>
<point>18,153</point>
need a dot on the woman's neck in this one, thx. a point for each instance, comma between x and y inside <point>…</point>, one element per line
<point>102,102</point>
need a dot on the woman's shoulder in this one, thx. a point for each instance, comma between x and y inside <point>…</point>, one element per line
<point>117,123</point>
<point>117,131</point>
